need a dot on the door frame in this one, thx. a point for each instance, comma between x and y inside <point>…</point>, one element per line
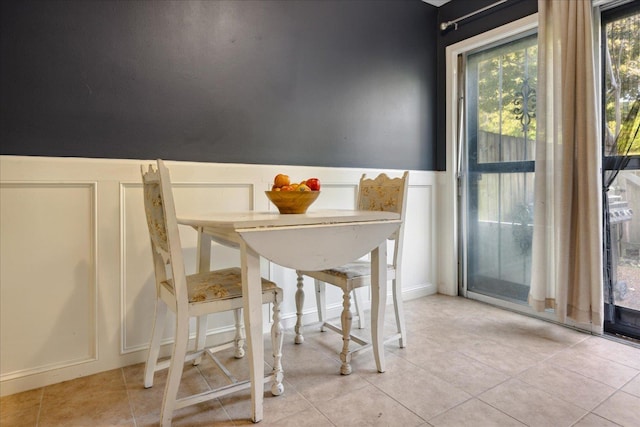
<point>450,193</point>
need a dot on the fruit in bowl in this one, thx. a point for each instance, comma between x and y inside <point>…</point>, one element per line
<point>292,202</point>
<point>293,198</point>
<point>281,180</point>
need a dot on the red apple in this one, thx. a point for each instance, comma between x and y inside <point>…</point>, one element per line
<point>313,184</point>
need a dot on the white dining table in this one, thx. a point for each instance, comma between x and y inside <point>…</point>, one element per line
<point>316,240</point>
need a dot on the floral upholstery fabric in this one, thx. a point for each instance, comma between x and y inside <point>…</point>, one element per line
<point>381,194</point>
<point>216,285</point>
<point>155,219</point>
<point>352,270</point>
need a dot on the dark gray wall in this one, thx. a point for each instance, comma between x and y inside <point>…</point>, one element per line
<point>477,24</point>
<point>326,83</point>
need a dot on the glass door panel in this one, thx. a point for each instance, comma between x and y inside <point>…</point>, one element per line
<point>500,110</point>
<point>500,235</point>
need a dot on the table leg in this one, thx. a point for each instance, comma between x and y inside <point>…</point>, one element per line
<point>252,295</point>
<point>378,301</point>
<point>203,264</point>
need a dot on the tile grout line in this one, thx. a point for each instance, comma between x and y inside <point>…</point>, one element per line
<point>40,407</point>
<point>126,389</point>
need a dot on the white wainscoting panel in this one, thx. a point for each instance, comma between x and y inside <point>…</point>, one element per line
<point>418,256</point>
<point>48,276</point>
<point>77,286</point>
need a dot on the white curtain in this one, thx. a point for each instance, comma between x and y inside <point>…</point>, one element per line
<point>567,238</point>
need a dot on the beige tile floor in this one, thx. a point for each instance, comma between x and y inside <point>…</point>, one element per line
<point>466,364</point>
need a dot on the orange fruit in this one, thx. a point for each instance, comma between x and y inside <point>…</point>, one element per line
<point>281,180</point>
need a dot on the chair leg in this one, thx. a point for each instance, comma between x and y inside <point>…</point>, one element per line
<point>240,338</point>
<point>201,337</point>
<point>277,336</point>
<point>154,347</point>
<point>321,303</point>
<point>299,305</point>
<point>175,370</point>
<point>399,310</point>
<point>359,310</point>
<point>346,319</point>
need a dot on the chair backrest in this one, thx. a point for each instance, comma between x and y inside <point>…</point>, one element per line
<point>386,194</point>
<point>163,229</point>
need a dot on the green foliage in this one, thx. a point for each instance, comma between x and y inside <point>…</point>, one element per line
<point>500,75</point>
<point>629,136</point>
<point>622,76</point>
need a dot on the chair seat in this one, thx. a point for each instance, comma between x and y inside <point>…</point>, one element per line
<point>216,285</point>
<point>351,270</point>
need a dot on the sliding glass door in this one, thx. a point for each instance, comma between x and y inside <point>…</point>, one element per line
<point>621,177</point>
<point>500,86</point>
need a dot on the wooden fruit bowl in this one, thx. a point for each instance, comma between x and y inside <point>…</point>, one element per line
<point>292,202</point>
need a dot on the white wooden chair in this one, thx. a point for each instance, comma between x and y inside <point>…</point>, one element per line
<point>380,194</point>
<point>195,295</point>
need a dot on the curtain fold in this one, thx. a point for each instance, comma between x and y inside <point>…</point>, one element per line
<point>567,237</point>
